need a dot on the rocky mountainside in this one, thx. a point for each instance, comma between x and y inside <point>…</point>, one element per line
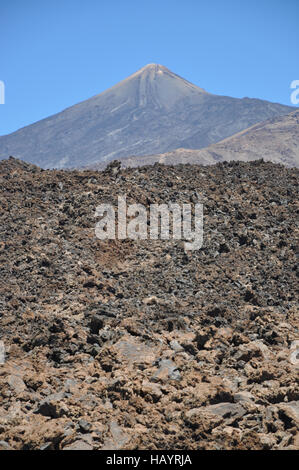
<point>275,140</point>
<point>152,111</point>
<point>138,344</point>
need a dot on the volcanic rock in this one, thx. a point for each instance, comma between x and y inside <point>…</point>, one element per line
<point>209,364</point>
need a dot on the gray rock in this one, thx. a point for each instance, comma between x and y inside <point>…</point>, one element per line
<point>119,438</point>
<point>4,446</point>
<point>16,383</point>
<point>175,346</point>
<point>78,445</point>
<point>84,425</point>
<point>47,446</point>
<point>167,370</point>
<point>226,410</point>
<point>52,406</point>
<point>243,397</point>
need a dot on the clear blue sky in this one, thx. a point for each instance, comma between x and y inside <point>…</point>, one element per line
<point>59,52</point>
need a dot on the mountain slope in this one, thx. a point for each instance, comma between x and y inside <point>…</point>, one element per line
<point>275,140</point>
<point>152,111</point>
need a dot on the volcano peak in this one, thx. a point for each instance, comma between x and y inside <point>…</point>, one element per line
<point>152,111</point>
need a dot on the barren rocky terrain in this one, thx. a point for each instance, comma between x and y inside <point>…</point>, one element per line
<point>139,344</point>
